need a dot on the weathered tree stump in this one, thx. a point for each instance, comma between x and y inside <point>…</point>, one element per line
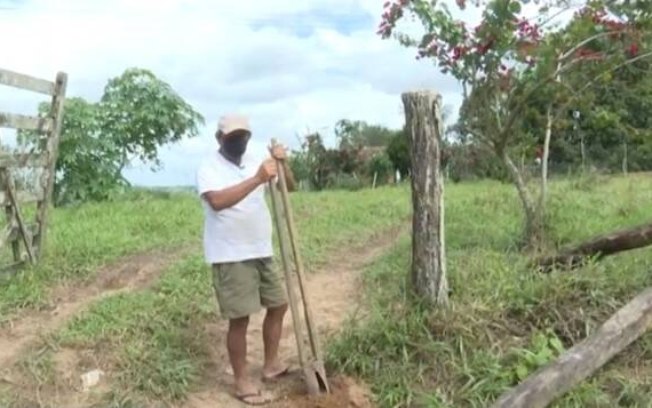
<point>424,132</point>
<point>582,360</point>
<point>598,247</point>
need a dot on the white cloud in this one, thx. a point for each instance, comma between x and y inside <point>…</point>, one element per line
<point>291,65</point>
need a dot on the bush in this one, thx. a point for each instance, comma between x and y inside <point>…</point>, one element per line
<point>348,182</point>
<point>381,165</point>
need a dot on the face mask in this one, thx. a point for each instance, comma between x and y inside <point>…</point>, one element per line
<point>235,146</point>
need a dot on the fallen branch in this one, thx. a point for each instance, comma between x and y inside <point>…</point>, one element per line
<point>598,248</point>
<point>582,360</point>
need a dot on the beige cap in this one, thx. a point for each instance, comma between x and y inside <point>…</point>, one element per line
<point>231,122</point>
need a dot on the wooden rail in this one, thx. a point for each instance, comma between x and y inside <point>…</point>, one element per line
<point>12,233</point>
<point>22,160</point>
<point>23,197</point>
<point>15,121</point>
<point>12,268</point>
<point>26,82</point>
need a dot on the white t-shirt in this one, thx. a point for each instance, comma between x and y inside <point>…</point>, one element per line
<point>243,231</point>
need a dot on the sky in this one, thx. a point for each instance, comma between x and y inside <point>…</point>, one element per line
<point>291,66</point>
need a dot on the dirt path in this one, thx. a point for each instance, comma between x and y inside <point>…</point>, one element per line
<point>132,273</point>
<point>334,293</point>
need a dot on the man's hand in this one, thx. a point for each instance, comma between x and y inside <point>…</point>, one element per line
<point>279,152</point>
<point>267,171</point>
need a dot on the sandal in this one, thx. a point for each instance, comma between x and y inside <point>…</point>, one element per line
<point>255,398</point>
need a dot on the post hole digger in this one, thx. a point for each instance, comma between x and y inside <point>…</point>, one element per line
<point>312,365</point>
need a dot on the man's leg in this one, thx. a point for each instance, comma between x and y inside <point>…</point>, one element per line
<point>236,344</point>
<point>237,288</point>
<point>273,297</point>
<point>272,330</point>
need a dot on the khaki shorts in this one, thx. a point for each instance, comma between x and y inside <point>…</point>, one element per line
<point>242,288</point>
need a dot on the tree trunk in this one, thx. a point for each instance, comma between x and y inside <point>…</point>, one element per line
<point>582,360</point>
<point>424,131</point>
<point>582,152</point>
<point>625,157</point>
<point>544,163</point>
<point>532,219</point>
<point>599,247</point>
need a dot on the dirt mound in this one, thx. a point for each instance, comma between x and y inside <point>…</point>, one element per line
<point>345,393</point>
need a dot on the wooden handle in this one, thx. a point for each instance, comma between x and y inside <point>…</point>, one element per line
<point>312,333</point>
<point>296,320</point>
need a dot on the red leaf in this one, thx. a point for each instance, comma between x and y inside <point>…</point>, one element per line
<point>633,49</point>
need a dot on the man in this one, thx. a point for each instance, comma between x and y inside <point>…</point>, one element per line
<point>238,244</point>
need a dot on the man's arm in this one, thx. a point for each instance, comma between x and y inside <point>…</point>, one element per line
<point>230,196</point>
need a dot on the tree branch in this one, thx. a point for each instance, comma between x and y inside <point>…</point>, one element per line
<point>586,41</point>
<point>591,82</point>
<point>517,111</point>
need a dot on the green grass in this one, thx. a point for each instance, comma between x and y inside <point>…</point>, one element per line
<point>326,220</point>
<point>505,320</point>
<point>154,338</point>
<point>83,238</point>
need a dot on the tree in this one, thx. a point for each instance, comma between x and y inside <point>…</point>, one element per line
<point>611,130</point>
<point>136,115</point>
<point>616,131</point>
<point>323,166</point>
<point>380,167</point>
<point>353,134</point>
<point>507,61</point>
<point>399,153</point>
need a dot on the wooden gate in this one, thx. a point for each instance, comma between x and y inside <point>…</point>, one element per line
<point>27,239</point>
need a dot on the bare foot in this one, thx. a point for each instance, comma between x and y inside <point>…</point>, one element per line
<point>275,371</point>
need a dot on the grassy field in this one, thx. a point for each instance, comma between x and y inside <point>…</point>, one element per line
<point>151,339</point>
<point>83,238</point>
<point>505,320</point>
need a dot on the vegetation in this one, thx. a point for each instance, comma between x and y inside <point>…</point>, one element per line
<point>136,115</point>
<point>361,156</point>
<point>524,81</point>
<point>505,320</point>
<point>150,337</point>
<point>508,63</point>
<point>83,238</point>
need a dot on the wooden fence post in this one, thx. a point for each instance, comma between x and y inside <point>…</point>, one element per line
<point>52,150</point>
<point>424,132</point>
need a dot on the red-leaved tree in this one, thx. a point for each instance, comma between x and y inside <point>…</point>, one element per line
<point>509,61</point>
